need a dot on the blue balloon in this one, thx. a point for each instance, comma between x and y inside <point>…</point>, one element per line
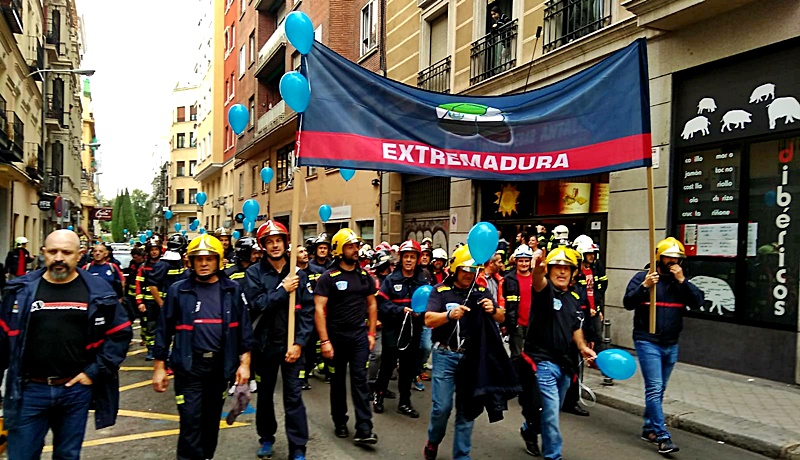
<point>149,233</point>
<point>168,214</point>
<point>347,174</point>
<point>295,91</point>
<point>124,230</point>
<point>202,231</point>
<point>299,31</point>
<point>201,198</point>
<point>325,212</point>
<point>183,232</point>
<point>196,222</point>
<point>142,238</point>
<point>193,226</point>
<point>236,235</point>
<point>131,242</point>
<point>70,227</point>
<point>617,364</point>
<point>238,118</point>
<point>250,209</point>
<point>482,241</point>
<point>267,174</point>
<point>249,225</point>
<point>177,226</point>
<point>419,300</point>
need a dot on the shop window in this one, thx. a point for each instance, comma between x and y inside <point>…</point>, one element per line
<point>283,166</point>
<point>733,212</point>
<point>426,194</point>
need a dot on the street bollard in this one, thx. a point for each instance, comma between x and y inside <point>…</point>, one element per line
<point>607,381</point>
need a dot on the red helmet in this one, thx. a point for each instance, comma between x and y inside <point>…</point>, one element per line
<point>384,246</point>
<point>269,228</point>
<point>410,245</point>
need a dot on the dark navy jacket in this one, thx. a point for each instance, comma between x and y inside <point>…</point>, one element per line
<point>269,305</point>
<point>177,319</point>
<point>109,336</point>
<point>164,274</point>
<point>312,262</point>
<point>672,299</point>
<point>236,273</point>
<point>394,295</point>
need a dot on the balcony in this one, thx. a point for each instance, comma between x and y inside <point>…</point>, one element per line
<point>15,149</point>
<point>493,53</point>
<point>568,20</point>
<point>5,137</point>
<point>35,57</point>
<point>436,78</point>
<point>55,111</point>
<point>273,118</point>
<point>34,164</point>
<point>53,39</point>
<point>272,55</point>
<point>52,181</point>
<point>12,10</point>
<point>675,14</point>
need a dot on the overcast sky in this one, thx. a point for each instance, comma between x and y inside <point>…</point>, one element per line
<point>140,51</point>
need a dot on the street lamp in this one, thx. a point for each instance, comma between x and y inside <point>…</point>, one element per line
<point>84,72</point>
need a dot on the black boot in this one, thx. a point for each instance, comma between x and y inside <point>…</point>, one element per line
<point>377,403</point>
<point>407,410</point>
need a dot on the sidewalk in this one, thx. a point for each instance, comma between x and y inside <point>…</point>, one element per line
<point>755,414</point>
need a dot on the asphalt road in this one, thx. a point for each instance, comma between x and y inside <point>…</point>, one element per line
<point>147,429</point>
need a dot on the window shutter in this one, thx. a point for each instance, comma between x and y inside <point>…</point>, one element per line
<point>438,49</point>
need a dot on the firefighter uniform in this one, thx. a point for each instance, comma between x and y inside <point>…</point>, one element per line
<point>129,301</point>
<point>144,297</point>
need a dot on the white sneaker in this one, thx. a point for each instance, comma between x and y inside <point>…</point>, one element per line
<point>231,390</point>
<point>253,386</point>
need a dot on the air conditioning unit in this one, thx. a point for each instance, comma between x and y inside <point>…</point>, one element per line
<point>215,204</point>
<point>228,211</point>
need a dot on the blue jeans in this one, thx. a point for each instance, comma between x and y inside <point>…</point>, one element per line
<point>64,410</point>
<point>657,363</point>
<point>425,346</point>
<point>443,390</point>
<point>553,386</point>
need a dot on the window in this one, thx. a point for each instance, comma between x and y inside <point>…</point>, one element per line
<point>192,167</point>
<point>296,61</point>
<point>180,141</point>
<point>233,38</point>
<point>241,185</point>
<point>254,179</point>
<point>264,185</point>
<point>283,166</point>
<point>367,231</point>
<point>227,89</point>
<point>565,21</point>
<point>193,113</point>
<point>252,43</point>
<point>192,140</point>
<point>311,171</point>
<point>242,8</point>
<point>181,167</point>
<point>233,85</point>
<point>179,196</point>
<point>227,138</point>
<point>242,60</point>
<point>227,40</point>
<point>192,195</point>
<point>181,114</point>
<point>252,109</point>
<point>369,28</point>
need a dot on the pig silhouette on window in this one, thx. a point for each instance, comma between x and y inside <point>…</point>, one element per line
<point>706,104</point>
<point>787,108</point>
<point>737,118</point>
<point>765,92</point>
<point>697,124</point>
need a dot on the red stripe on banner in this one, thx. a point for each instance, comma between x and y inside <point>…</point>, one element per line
<point>666,304</point>
<point>398,154</point>
<point>95,345</point>
<point>118,328</point>
<point>234,324</point>
<point>184,327</point>
<point>207,321</point>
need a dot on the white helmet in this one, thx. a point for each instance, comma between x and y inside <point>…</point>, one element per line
<point>561,232</point>
<point>20,240</point>
<point>584,244</point>
<point>440,253</point>
<point>523,251</point>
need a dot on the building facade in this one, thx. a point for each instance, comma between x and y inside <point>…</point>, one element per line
<point>746,145</point>
<point>182,188</point>
<point>89,161</point>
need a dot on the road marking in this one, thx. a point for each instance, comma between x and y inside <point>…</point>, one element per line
<point>135,368</point>
<point>139,384</point>
<point>147,435</point>
<point>137,352</point>
<point>149,415</point>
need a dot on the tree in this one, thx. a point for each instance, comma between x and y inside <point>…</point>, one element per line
<point>142,208</point>
<point>129,215</point>
<point>117,224</point>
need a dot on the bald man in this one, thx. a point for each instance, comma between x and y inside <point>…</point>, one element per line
<point>75,335</point>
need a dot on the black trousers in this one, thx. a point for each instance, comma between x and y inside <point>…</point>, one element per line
<point>310,353</point>
<point>408,358</point>
<point>530,399</point>
<point>200,395</point>
<point>267,364</point>
<point>353,352</point>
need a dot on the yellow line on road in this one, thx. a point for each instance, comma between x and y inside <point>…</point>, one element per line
<point>135,368</point>
<point>138,436</point>
<point>149,415</point>
<point>137,352</point>
<point>138,384</point>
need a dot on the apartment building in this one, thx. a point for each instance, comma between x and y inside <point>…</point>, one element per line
<point>89,160</point>
<point>182,166</point>
<point>721,94</point>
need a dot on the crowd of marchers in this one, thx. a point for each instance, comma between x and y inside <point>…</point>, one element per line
<point>223,318</point>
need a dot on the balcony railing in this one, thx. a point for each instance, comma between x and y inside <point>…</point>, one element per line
<point>270,50</point>
<point>52,181</point>
<point>436,77</point>
<point>12,11</point>
<point>5,136</point>
<point>493,53</point>
<point>55,110</point>
<point>569,20</point>
<point>53,35</point>
<point>35,57</point>
<point>274,117</point>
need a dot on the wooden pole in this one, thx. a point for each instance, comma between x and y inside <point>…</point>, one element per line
<point>651,217</point>
<point>297,182</point>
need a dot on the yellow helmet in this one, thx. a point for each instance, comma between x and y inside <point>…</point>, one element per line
<point>462,259</point>
<point>342,237</point>
<point>670,247</point>
<point>205,245</point>
<point>562,256</point>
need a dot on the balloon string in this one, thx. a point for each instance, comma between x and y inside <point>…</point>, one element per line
<point>402,328</point>
<point>582,387</point>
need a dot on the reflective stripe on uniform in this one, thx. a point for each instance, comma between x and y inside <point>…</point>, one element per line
<point>237,276</point>
<point>512,298</point>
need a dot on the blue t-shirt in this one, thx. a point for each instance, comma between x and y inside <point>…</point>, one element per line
<point>208,318</point>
